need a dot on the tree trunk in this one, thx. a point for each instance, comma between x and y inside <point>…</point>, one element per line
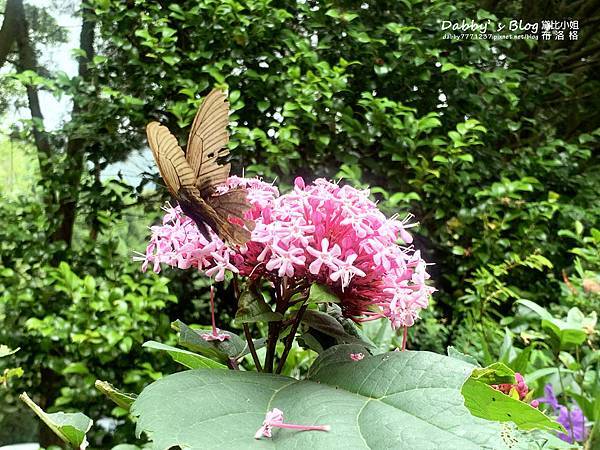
<point>28,61</point>
<point>69,196</point>
<point>8,32</point>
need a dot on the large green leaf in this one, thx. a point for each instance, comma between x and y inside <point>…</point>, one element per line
<point>399,400</point>
<point>70,427</point>
<point>454,353</point>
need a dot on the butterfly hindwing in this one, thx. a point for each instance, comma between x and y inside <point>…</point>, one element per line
<point>211,212</point>
<point>233,204</point>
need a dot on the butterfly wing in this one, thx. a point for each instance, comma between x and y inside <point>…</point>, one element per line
<point>212,212</point>
<point>207,142</point>
<point>232,204</point>
<point>170,159</point>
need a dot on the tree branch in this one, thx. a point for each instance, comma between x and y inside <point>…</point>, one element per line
<point>581,54</point>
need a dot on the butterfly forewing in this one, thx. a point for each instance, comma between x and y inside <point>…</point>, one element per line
<point>208,140</point>
<point>170,159</point>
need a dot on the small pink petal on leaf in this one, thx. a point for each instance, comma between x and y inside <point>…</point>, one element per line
<point>215,336</point>
<point>356,356</point>
<point>274,419</point>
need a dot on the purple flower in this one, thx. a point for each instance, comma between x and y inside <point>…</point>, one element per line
<point>573,421</point>
<point>549,398</point>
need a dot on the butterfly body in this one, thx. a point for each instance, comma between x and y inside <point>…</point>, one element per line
<point>192,177</point>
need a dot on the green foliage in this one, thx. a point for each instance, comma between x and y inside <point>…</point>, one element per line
<point>469,136</point>
<point>18,168</point>
<point>252,307</point>
<point>556,345</point>
<point>231,348</point>
<point>74,323</point>
<point>122,399</point>
<point>9,372</point>
<point>321,330</point>
<point>321,294</point>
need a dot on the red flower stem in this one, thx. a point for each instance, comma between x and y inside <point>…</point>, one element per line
<point>212,309</point>
<point>282,303</point>
<point>302,427</point>
<point>404,338</point>
<point>273,332</point>
<point>373,316</point>
<point>232,364</point>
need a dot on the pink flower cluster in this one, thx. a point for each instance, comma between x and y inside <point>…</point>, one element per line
<point>318,233</point>
<point>519,387</point>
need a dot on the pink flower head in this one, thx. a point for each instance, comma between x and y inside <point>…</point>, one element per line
<point>220,263</point>
<point>518,386</point>
<point>346,270</point>
<point>274,418</point>
<point>317,233</point>
<point>356,356</point>
<point>325,256</point>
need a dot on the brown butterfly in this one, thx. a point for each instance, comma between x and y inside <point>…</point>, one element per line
<point>192,177</point>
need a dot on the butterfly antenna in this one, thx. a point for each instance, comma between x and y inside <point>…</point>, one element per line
<point>255,267</point>
<point>138,256</point>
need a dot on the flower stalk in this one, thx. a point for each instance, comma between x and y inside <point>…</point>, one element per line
<point>404,338</point>
<point>255,358</point>
<point>215,335</point>
<point>290,337</point>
